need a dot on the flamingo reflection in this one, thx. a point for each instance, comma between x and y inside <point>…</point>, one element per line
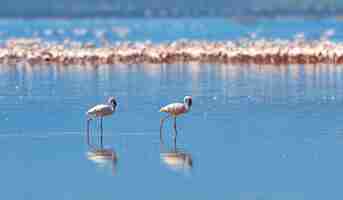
<point>103,158</point>
<point>174,158</point>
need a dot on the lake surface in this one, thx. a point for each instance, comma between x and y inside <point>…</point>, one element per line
<point>254,132</point>
<point>168,29</point>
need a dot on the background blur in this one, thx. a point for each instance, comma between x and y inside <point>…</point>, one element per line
<point>173,8</point>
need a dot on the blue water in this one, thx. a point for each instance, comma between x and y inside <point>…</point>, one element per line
<point>164,30</point>
<point>254,132</point>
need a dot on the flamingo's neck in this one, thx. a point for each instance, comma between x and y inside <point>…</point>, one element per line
<point>187,107</point>
<point>112,107</point>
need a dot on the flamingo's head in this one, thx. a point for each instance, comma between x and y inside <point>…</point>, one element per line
<point>112,101</point>
<point>188,101</point>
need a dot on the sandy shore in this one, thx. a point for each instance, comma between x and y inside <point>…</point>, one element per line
<point>36,51</point>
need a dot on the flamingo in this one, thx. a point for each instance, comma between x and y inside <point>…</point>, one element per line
<point>99,112</point>
<point>174,110</point>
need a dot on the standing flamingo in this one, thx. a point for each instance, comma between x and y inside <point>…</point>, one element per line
<point>174,110</point>
<point>99,111</point>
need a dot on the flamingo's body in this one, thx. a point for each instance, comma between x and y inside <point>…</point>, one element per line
<point>176,109</point>
<point>100,111</point>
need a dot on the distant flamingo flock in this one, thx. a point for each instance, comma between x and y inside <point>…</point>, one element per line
<point>297,51</point>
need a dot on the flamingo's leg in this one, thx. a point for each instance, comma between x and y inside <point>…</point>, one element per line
<point>87,131</point>
<point>101,133</point>
<point>175,130</point>
<point>161,126</point>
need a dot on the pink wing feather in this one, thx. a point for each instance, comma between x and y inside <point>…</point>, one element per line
<point>174,108</point>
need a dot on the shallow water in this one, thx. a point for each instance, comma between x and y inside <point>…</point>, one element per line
<point>254,132</point>
<point>167,29</point>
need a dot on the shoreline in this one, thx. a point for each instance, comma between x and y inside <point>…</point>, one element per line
<point>275,52</point>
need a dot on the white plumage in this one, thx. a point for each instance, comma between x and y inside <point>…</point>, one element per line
<point>176,109</point>
<point>100,110</point>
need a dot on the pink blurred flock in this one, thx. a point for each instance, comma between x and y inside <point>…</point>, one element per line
<point>35,51</point>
